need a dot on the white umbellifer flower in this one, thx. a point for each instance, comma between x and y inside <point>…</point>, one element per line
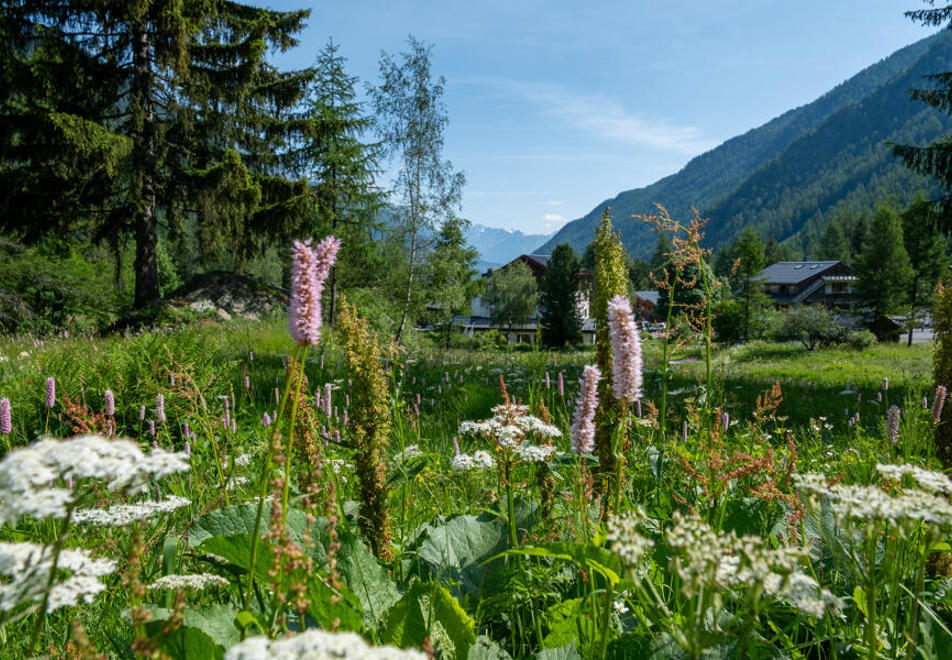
<point>316,644</point>
<point>865,503</point>
<point>27,567</point>
<point>510,427</point>
<point>409,453</point>
<point>934,482</point>
<point>234,482</point>
<point>242,460</point>
<point>190,582</point>
<point>627,542</point>
<point>481,460</point>
<point>535,453</point>
<point>27,472</point>
<point>706,559</point>
<point>126,514</point>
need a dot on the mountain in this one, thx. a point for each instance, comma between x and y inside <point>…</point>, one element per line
<point>500,246</point>
<point>787,177</point>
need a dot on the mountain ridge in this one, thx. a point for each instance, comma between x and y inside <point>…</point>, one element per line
<point>728,183</point>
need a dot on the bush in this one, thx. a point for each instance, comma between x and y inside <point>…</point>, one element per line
<point>811,325</point>
<point>728,321</point>
<point>860,340</point>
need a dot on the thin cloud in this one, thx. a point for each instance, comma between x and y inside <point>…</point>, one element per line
<point>604,117</point>
<point>553,222</point>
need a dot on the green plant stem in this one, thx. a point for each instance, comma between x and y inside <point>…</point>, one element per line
<point>606,613</point>
<point>665,359</point>
<point>289,449</point>
<point>57,549</point>
<point>262,490</point>
<point>707,336</point>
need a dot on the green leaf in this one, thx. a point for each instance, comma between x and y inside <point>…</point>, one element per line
<point>216,621</point>
<point>457,551</point>
<point>565,624</point>
<point>754,516</point>
<point>564,653</point>
<point>245,619</point>
<point>428,611</point>
<point>486,649</point>
<point>369,581</point>
<point>186,643</point>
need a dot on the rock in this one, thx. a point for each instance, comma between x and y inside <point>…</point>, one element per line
<point>223,315</point>
<point>202,305</point>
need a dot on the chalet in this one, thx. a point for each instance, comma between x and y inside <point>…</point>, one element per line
<point>808,282</point>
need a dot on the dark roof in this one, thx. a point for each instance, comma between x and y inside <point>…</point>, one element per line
<point>650,296</point>
<point>793,272</point>
<point>541,259</point>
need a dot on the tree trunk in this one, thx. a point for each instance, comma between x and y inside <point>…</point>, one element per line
<point>406,302</point>
<point>145,162</point>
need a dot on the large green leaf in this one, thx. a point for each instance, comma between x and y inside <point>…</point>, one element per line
<point>428,611</point>
<point>216,621</point>
<point>185,643</point>
<point>754,516</point>
<point>369,581</point>
<point>486,649</point>
<point>455,552</point>
<point>564,653</point>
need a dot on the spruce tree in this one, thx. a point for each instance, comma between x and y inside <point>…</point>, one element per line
<point>185,122</point>
<point>342,168</point>
<point>927,256</point>
<point>883,267</point>
<point>558,299</point>
<point>749,248</point>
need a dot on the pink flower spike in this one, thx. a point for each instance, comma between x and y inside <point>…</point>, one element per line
<point>309,269</point>
<point>110,403</point>
<point>50,392</point>
<point>6,425</point>
<point>583,425</point>
<point>626,350</point>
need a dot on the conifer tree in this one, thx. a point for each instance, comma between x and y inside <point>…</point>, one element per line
<point>342,169</point>
<point>186,120</point>
<point>749,248</point>
<point>927,256</point>
<point>558,299</point>
<point>883,266</point>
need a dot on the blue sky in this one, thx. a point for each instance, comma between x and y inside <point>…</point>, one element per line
<point>555,106</point>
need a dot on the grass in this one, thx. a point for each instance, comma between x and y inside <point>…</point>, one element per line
<point>559,587</point>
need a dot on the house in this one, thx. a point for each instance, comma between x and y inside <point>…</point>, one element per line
<point>644,305</point>
<point>808,282</point>
<point>479,320</point>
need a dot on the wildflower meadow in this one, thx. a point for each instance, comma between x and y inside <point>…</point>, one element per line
<point>284,489</point>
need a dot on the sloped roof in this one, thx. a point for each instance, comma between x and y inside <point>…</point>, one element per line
<point>793,272</point>
<point>650,296</point>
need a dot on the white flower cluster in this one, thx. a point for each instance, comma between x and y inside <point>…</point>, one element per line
<point>510,427</point>
<point>706,559</point>
<point>535,453</point>
<point>481,460</point>
<point>188,582</point>
<point>627,542</point>
<point>406,455</point>
<point>316,644</point>
<point>27,473</point>
<point>866,503</point>
<point>934,482</point>
<point>26,567</point>
<point>126,514</point>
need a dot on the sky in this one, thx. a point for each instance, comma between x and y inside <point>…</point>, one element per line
<point>555,106</point>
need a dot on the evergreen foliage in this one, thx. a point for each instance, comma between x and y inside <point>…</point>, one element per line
<point>927,256</point>
<point>883,267</point>
<point>451,281</point>
<point>558,299</point>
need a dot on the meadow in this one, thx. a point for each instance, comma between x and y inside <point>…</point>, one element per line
<point>723,541</point>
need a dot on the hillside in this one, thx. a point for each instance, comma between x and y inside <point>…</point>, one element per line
<point>499,246</point>
<point>786,176</point>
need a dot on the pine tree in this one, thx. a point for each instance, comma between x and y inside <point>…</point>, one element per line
<point>342,170</point>
<point>927,256</point>
<point>883,266</point>
<point>186,121</point>
<point>834,246</point>
<point>411,118</point>
<point>749,248</point>
<point>558,298</point>
<point>934,159</point>
<point>661,255</point>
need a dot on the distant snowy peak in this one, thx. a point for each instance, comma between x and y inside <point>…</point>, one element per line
<point>500,246</point>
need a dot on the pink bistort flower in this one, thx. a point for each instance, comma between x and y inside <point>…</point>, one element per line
<point>309,269</point>
<point>626,350</point>
<point>583,425</point>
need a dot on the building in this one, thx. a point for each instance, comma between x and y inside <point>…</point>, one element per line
<point>808,282</point>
